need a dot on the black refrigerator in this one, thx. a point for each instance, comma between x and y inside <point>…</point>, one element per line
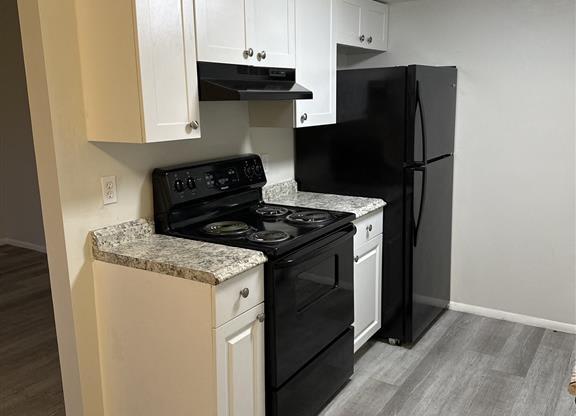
<point>394,139</point>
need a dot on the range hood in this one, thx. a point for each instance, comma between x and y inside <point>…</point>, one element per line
<point>225,82</point>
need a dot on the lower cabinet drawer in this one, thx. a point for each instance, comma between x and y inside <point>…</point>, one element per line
<point>368,227</point>
<point>237,295</point>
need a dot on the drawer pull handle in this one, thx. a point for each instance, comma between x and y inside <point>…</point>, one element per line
<point>369,228</point>
<point>245,292</point>
<point>261,318</point>
<point>356,259</point>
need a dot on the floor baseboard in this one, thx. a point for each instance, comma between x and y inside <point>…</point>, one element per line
<point>514,317</point>
<point>22,244</point>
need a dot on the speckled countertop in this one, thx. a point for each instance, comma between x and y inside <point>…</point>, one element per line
<point>286,193</point>
<point>134,244</point>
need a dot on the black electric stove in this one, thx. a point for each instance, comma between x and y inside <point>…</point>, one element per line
<point>309,300</point>
<point>272,229</point>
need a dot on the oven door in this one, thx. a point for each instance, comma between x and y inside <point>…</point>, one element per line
<point>310,302</point>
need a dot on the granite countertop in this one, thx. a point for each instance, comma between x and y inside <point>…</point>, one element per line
<point>134,244</point>
<point>286,193</point>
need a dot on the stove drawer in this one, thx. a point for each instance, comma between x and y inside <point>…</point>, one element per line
<point>237,295</point>
<point>368,227</point>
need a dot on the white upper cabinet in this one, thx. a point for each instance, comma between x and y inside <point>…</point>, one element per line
<point>347,22</point>
<point>167,45</point>
<point>361,23</point>
<point>246,32</point>
<point>315,63</point>
<point>221,31</point>
<point>139,75</point>
<point>271,32</point>
<point>374,25</point>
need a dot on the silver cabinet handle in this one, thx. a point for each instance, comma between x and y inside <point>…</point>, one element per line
<point>304,118</point>
<point>261,55</point>
<point>369,228</point>
<point>369,39</point>
<point>245,292</point>
<point>248,53</point>
<point>356,259</point>
<point>194,125</point>
<point>362,38</point>
<point>261,317</point>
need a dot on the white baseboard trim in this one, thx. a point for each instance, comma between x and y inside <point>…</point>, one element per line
<point>513,317</point>
<point>22,244</point>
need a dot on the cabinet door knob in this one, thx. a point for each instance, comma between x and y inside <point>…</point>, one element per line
<point>356,259</point>
<point>245,292</point>
<point>261,317</point>
<point>304,118</point>
<point>362,38</point>
<point>248,53</point>
<point>369,228</point>
<point>194,125</point>
<point>261,55</point>
<point>369,39</point>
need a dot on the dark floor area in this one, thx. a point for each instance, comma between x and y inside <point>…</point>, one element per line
<point>30,381</point>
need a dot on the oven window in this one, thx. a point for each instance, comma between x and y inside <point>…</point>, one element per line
<point>316,282</point>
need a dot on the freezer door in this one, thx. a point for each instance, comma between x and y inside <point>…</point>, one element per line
<point>428,232</point>
<point>431,113</point>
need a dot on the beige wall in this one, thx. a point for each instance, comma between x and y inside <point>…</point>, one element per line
<point>513,240</point>
<point>70,169</point>
<point>20,212</point>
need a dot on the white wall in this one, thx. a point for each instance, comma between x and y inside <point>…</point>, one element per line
<point>20,211</point>
<point>513,240</point>
<point>70,169</point>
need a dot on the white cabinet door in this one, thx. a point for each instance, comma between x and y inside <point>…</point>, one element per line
<point>374,25</point>
<point>271,32</point>
<point>315,63</point>
<point>367,290</point>
<point>240,365</point>
<point>221,31</point>
<point>347,22</point>
<point>169,82</point>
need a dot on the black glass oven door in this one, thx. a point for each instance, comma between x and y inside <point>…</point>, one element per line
<point>312,302</point>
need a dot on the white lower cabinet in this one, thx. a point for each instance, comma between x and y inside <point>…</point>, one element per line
<point>240,364</point>
<point>172,346</point>
<point>367,290</point>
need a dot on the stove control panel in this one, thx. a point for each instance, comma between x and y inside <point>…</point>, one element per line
<point>195,181</point>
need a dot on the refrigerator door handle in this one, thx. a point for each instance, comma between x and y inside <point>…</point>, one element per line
<point>418,222</point>
<point>422,124</point>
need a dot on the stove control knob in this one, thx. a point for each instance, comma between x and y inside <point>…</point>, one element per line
<point>258,169</point>
<point>249,171</point>
<point>179,185</point>
<point>190,183</point>
<point>245,292</point>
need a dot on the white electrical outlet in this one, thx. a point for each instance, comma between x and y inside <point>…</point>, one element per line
<point>265,161</point>
<point>109,194</point>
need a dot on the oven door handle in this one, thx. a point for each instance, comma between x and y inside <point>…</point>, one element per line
<point>315,249</point>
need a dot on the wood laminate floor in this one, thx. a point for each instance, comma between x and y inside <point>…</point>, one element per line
<point>30,382</point>
<point>465,365</point>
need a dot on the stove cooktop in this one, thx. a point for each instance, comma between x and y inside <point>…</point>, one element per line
<point>272,229</point>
